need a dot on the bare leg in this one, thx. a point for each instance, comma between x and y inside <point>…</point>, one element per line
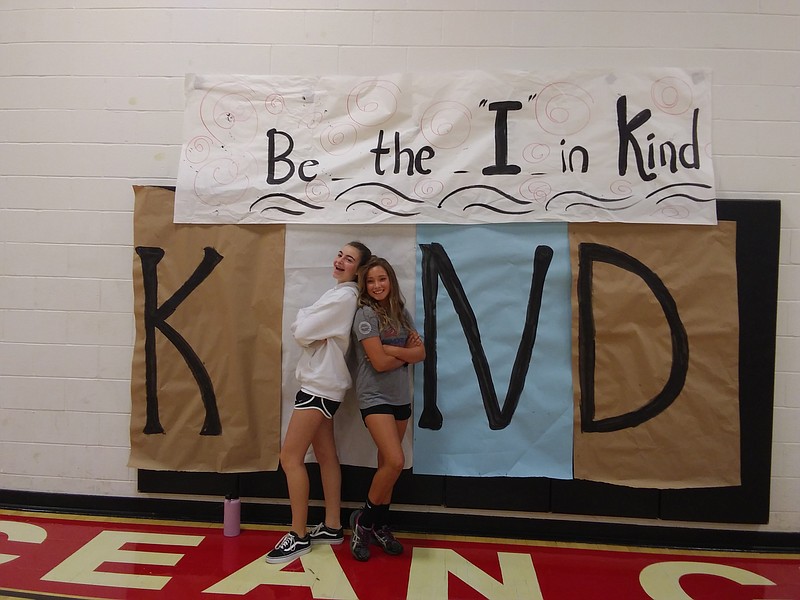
<point>303,426</point>
<point>330,472</point>
<point>387,435</point>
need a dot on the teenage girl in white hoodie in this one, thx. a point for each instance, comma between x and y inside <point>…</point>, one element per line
<point>323,332</point>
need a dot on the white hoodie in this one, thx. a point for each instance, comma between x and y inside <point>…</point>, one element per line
<point>323,331</point>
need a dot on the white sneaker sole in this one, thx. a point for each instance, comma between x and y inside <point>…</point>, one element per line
<point>326,542</point>
<point>289,557</point>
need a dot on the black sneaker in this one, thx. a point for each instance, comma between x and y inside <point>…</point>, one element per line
<point>386,540</point>
<point>359,541</point>
<point>325,535</point>
<point>288,548</point>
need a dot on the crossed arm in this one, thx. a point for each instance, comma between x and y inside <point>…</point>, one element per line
<point>386,358</point>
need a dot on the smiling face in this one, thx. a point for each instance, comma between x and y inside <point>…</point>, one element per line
<point>346,263</point>
<point>378,284</point>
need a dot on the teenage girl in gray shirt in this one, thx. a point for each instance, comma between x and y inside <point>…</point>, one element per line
<point>387,342</point>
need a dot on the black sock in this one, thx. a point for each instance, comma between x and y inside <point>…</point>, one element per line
<point>367,518</point>
<point>381,515</point>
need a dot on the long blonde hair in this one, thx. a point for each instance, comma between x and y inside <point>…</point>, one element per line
<point>395,315</point>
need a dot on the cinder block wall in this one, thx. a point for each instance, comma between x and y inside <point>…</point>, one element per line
<point>91,98</point>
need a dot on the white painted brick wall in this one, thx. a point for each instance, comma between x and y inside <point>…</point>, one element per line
<point>91,99</point>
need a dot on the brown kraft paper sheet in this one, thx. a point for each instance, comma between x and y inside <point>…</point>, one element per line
<point>694,441</point>
<point>230,320</point>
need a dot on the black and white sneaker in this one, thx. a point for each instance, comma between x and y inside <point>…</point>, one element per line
<point>288,548</point>
<point>325,535</point>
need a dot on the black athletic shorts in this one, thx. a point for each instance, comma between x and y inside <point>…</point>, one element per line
<point>401,413</point>
<point>327,407</point>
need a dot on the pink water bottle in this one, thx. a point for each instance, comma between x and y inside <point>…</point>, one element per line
<point>231,521</point>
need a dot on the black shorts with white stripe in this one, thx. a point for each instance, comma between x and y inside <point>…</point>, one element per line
<point>327,407</point>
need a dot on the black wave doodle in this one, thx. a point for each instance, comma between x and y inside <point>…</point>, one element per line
<point>376,204</point>
<point>283,209</point>
<point>602,202</point>
<point>497,210</point>
<point>488,206</point>
<point>380,185</point>
<point>608,203</point>
<point>381,208</point>
<point>586,199</point>
<point>681,195</point>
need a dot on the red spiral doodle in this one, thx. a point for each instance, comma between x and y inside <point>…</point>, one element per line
<point>230,116</point>
<point>317,191</point>
<point>338,138</point>
<point>563,108</point>
<point>275,104</point>
<point>233,109</point>
<point>672,95</point>
<point>673,212</point>
<point>373,102</point>
<point>428,188</point>
<point>223,180</point>
<point>620,187</point>
<point>534,153</point>
<point>389,200</point>
<point>446,124</point>
<point>198,149</point>
<point>535,189</point>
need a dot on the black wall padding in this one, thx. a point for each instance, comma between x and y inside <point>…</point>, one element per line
<point>757,246</point>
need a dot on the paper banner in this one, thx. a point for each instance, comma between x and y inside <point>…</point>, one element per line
<point>658,376</point>
<point>459,147</point>
<point>206,375</point>
<point>625,336</point>
<point>506,271</point>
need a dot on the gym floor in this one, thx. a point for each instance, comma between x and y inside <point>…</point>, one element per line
<point>48,555</point>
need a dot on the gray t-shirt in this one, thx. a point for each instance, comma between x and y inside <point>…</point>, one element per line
<point>373,387</point>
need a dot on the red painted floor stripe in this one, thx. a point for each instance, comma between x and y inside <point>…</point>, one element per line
<point>58,556</point>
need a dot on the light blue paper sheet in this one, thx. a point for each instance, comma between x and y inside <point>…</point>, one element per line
<point>494,264</point>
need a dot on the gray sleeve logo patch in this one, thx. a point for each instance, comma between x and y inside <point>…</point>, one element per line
<point>364,327</point>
